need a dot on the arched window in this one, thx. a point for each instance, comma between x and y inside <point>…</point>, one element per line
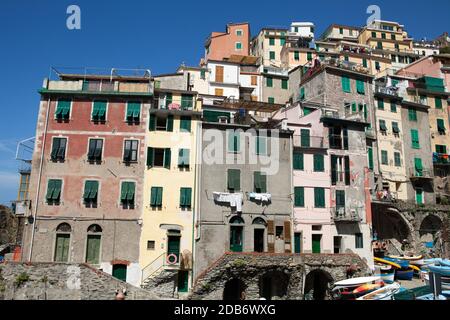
<point>259,221</point>
<point>93,244</point>
<point>62,245</point>
<point>236,220</point>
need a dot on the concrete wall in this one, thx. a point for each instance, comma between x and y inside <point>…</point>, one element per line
<point>280,95</point>
<point>213,218</point>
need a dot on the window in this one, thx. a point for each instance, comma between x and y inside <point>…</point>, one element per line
<point>219,73</point>
<point>127,194</point>
<point>284,84</point>
<point>424,100</point>
<point>374,34</point>
<point>309,56</point>
<point>261,145</point>
<point>359,241</point>
<point>62,246</point>
<point>360,86</point>
<point>341,31</point>
<point>440,149</point>
<point>282,41</point>
<point>383,36</point>
<point>271,100</point>
<point>440,126</point>
<point>346,84</point>
<point>254,81</point>
<point>340,199</point>
<point>63,109</point>
<point>272,55</point>
<point>384,157</point>
<point>234,141</point>
<point>377,66</point>
<point>299,197</point>
<point>156,194</point>
<point>302,94</point>
<point>415,139</point>
<point>185,124</point>
<point>304,138</point>
<point>158,157</point>
<point>364,61</point>
<point>93,244</point>
<point>279,232</point>
<point>130,150</point>
<point>269,82</point>
<point>393,106</point>
<point>90,193</point>
<point>412,114</point>
<point>234,180</point>
<point>185,197</point>
<point>187,102</point>
<point>259,182</point>
<point>298,161</point>
<point>319,163</point>
<point>133,112</point>
<point>54,191</point>
<point>346,58</point>
<point>319,197</point>
<point>202,74</point>
<point>296,55</point>
<point>183,158</point>
<point>380,104</point>
<point>58,149</point>
<point>395,128</point>
<point>340,170</point>
<point>99,111</point>
<point>218,92</point>
<point>393,37</point>
<point>95,150</point>
<point>438,103</point>
<point>418,167</point>
<point>23,186</point>
<point>383,127</point>
<point>370,157</point>
<point>271,41</point>
<point>239,32</point>
<point>380,45</point>
<point>150,245</point>
<point>397,160</point>
<point>238,46</point>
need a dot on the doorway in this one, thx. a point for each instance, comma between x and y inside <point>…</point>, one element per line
<point>236,238</point>
<point>173,248</point>
<point>234,290</point>
<point>297,242</point>
<point>258,239</point>
<point>337,240</point>
<point>316,238</point>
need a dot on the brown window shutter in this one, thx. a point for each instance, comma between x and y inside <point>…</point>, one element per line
<point>218,92</point>
<point>271,247</point>
<point>270,236</point>
<point>219,73</point>
<point>287,231</point>
<point>254,83</point>
<point>270,227</point>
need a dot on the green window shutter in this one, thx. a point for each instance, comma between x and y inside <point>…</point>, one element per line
<point>393,106</point>
<point>185,197</point>
<point>234,179</point>
<point>185,124</point>
<point>57,192</point>
<point>394,82</point>
<point>346,84</point>
<point>272,55</point>
<point>345,137</point>
<point>319,197</point>
<point>302,94</point>
<point>269,82</point>
<point>133,111</point>
<point>397,159</point>
<point>347,170</point>
<point>50,189</point>
<point>169,99</point>
<point>63,109</point>
<point>438,103</point>
<point>440,125</point>
<point>354,107</point>
<point>149,157</point>
<point>415,139</point>
<point>282,41</point>
<point>418,166</point>
<point>271,41</point>
<point>299,197</point>
<point>94,190</point>
<point>234,143</point>
<point>159,196</point>
<point>187,102</point>
<point>384,157</point>
<point>374,34</point>
<point>87,190</point>
<point>183,157</point>
<point>383,125</point>
<point>298,161</point>
<point>152,123</point>
<point>412,114</point>
<point>395,128</point>
<point>319,163</point>
<point>55,148</point>
<point>334,173</point>
<point>364,62</point>
<point>296,55</point>
<point>169,123</point>
<point>305,138</point>
<point>284,84</point>
<point>167,156</point>
<point>153,196</point>
<point>309,56</point>
<point>182,197</point>
<point>360,87</point>
<point>381,104</point>
<point>99,110</point>
<point>271,100</point>
<point>370,157</point>
<point>202,74</point>
<point>131,190</point>
<point>260,182</point>
<point>124,191</point>
<point>261,145</point>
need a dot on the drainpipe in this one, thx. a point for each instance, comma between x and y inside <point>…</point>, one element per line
<point>196,195</point>
<point>41,163</point>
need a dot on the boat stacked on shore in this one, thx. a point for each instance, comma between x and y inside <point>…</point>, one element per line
<point>364,288</point>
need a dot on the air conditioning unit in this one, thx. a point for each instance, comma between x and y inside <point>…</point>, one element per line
<point>223,119</point>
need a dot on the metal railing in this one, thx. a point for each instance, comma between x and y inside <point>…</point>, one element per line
<point>441,158</point>
<point>343,214</point>
<point>159,263</point>
<point>385,196</point>
<point>392,91</point>
<point>173,104</point>
<point>423,173</point>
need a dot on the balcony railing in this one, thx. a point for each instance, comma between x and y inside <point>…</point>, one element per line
<point>385,196</point>
<point>309,142</point>
<point>343,214</point>
<point>441,158</point>
<point>425,173</point>
<point>174,104</point>
<point>392,91</point>
<point>104,86</point>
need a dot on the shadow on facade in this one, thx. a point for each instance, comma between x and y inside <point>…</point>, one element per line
<point>273,285</point>
<point>234,290</point>
<point>389,224</point>
<point>317,283</point>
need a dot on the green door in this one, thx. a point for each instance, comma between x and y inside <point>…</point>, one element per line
<point>316,243</point>
<point>120,272</point>
<point>183,281</point>
<point>62,247</point>
<point>236,238</point>
<point>173,246</point>
<point>93,249</point>
<point>297,237</point>
<point>419,196</point>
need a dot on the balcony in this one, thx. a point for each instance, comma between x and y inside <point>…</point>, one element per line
<point>346,215</point>
<point>310,142</point>
<point>441,159</point>
<point>384,196</point>
<point>370,133</point>
<point>391,91</point>
<point>424,173</point>
<point>163,103</point>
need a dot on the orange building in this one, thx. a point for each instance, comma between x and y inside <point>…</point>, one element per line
<point>235,40</point>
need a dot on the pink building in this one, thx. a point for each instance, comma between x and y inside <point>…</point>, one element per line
<point>234,41</point>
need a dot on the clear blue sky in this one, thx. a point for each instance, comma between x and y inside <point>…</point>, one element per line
<point>148,34</point>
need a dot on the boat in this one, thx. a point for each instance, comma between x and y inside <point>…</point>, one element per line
<point>409,258</point>
<point>415,268</point>
<point>437,261</point>
<point>431,296</point>
<point>442,270</point>
<point>385,272</point>
<point>368,287</point>
<point>404,274</point>
<point>354,282</point>
<point>385,293</point>
<point>401,263</point>
<point>395,265</point>
<point>445,281</point>
<point>350,289</point>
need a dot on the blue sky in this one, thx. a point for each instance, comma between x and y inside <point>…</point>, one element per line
<point>159,35</point>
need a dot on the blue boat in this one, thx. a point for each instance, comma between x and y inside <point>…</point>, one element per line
<point>403,263</point>
<point>404,274</point>
<point>442,270</point>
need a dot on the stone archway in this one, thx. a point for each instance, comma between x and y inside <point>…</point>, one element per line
<point>317,284</point>
<point>273,285</point>
<point>389,223</point>
<point>429,231</point>
<point>234,290</point>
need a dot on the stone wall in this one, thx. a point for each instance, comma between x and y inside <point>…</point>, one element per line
<point>60,281</point>
<point>293,269</point>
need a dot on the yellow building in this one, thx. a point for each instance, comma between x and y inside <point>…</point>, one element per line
<point>169,185</point>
